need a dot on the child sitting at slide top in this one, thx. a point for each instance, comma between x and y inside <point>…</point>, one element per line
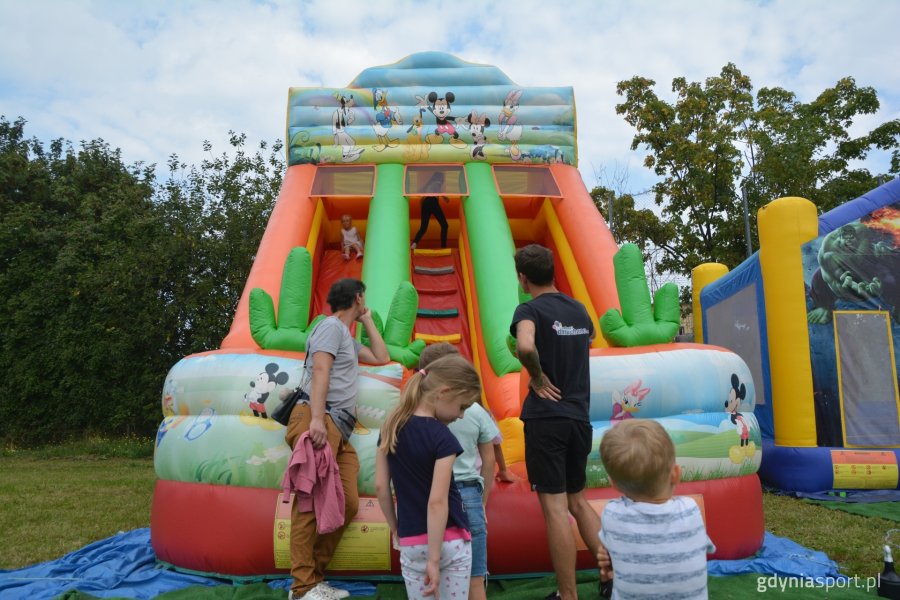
<point>350,239</point>
<point>416,452</point>
<point>480,439</point>
<point>654,544</point>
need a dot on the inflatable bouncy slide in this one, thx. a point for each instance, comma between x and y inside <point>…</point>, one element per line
<point>508,158</point>
<point>816,315</point>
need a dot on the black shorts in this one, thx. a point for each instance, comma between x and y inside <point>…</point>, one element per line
<point>556,453</point>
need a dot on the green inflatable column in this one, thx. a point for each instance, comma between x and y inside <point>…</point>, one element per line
<point>386,260</point>
<point>492,248</point>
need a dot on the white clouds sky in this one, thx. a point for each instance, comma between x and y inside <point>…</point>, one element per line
<point>156,78</point>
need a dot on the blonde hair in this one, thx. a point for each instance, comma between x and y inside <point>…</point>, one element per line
<point>638,455</point>
<point>435,351</point>
<point>452,371</point>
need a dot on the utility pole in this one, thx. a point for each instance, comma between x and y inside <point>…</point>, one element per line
<point>746,219</point>
<point>609,211</point>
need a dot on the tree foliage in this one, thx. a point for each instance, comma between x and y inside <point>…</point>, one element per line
<point>107,277</point>
<point>716,141</point>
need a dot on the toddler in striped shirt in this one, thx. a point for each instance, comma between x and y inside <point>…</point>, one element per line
<point>652,543</point>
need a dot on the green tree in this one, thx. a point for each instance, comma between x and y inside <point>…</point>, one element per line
<point>79,284</point>
<point>716,138</point>
<point>805,149</point>
<point>108,278</point>
<point>216,214</point>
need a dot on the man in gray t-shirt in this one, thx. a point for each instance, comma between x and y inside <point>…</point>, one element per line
<point>329,415</point>
<point>331,336</point>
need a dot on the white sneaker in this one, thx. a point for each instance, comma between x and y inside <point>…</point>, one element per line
<point>338,593</point>
<point>323,591</point>
<point>317,593</point>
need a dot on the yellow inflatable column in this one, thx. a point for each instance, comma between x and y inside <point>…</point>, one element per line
<point>784,226</point>
<point>702,276</point>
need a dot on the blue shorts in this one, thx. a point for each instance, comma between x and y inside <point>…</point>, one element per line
<point>471,497</point>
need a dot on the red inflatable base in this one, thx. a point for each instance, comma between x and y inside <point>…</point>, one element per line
<point>227,530</point>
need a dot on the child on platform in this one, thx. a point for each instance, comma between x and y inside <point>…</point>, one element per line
<point>416,452</point>
<point>432,208</point>
<point>654,544</point>
<point>350,239</point>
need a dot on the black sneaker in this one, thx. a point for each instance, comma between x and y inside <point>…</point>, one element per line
<point>552,595</point>
<point>606,589</point>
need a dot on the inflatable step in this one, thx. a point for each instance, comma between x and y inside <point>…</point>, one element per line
<point>432,252</point>
<point>451,338</point>
<point>435,270</point>
<point>438,313</point>
<point>436,292</point>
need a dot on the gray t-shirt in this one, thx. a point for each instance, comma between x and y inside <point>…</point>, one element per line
<point>333,337</point>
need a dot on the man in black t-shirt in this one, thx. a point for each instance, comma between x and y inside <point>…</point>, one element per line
<point>553,337</point>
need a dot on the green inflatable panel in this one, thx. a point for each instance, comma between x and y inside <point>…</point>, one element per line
<point>492,248</point>
<point>386,262</point>
<point>639,323</point>
<point>292,326</point>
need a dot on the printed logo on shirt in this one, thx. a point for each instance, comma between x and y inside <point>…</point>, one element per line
<point>561,329</point>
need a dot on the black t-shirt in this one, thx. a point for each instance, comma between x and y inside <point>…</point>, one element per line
<point>562,335</point>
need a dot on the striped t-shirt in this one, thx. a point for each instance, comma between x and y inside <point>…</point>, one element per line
<point>657,550</point>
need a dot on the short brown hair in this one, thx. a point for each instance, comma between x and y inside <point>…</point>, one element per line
<point>638,455</point>
<point>435,351</point>
<point>535,262</point>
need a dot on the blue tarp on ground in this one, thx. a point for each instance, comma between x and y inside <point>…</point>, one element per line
<point>779,556</point>
<point>122,565</point>
<point>125,565</point>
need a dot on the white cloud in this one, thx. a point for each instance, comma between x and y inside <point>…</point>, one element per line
<point>155,78</point>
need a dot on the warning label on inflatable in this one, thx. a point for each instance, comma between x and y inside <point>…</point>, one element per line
<point>366,545</point>
<point>282,531</point>
<point>864,469</point>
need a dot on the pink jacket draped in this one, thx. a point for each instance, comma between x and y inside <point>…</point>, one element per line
<point>313,476</point>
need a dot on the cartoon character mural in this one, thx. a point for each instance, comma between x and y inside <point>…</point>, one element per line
<point>543,154</point>
<point>340,119</point>
<point>510,130</point>
<point>859,264</point>
<point>440,107</point>
<point>416,149</point>
<point>302,154</point>
<point>747,448</point>
<point>385,118</point>
<point>627,402</point>
<point>260,388</point>
<point>477,125</point>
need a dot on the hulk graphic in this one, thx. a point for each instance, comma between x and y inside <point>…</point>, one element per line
<point>858,264</point>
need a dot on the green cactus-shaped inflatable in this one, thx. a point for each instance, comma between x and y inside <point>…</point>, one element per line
<point>289,332</point>
<point>639,323</point>
<point>397,329</point>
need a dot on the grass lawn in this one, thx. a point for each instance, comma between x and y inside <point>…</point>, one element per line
<point>56,500</point>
